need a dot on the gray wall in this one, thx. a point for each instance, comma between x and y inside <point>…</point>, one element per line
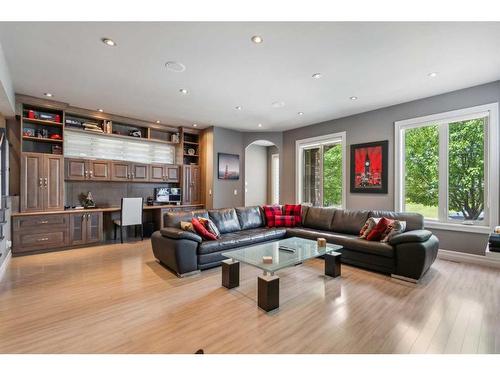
<point>229,142</point>
<point>379,125</point>
<point>255,175</point>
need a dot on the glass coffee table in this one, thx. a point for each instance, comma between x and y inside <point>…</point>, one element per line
<point>284,253</point>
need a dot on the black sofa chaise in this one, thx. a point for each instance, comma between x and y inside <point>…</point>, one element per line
<point>407,256</point>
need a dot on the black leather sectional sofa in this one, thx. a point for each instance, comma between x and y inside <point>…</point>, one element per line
<point>408,255</point>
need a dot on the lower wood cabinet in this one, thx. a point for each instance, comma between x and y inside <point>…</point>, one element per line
<point>85,228</point>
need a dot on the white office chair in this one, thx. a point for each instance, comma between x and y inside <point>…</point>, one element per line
<point>130,214</point>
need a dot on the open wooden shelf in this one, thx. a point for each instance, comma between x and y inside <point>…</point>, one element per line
<point>71,129</point>
<point>191,143</point>
<point>36,139</point>
<point>42,122</point>
<point>195,155</point>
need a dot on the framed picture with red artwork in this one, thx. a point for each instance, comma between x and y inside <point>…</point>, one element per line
<point>369,164</point>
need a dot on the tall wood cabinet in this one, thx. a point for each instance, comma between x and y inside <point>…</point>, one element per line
<point>42,182</point>
<point>191,182</point>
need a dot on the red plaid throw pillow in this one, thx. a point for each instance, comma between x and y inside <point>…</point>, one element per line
<point>284,221</point>
<point>270,212</point>
<point>294,210</point>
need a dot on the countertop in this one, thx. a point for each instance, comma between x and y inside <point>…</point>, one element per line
<point>101,209</point>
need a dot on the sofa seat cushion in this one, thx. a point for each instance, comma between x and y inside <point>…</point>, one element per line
<point>242,238</point>
<point>349,241</point>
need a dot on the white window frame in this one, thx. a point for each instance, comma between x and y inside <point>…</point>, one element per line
<point>302,144</point>
<point>275,178</point>
<point>491,164</point>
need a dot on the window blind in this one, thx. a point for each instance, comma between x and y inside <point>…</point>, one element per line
<point>97,146</point>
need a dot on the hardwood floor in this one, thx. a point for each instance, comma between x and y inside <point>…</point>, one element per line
<point>117,299</point>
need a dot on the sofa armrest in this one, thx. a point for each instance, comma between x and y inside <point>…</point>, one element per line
<point>180,255</point>
<point>413,259</point>
<point>419,235</point>
<point>179,234</point>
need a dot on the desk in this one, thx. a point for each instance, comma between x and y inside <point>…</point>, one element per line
<point>35,232</point>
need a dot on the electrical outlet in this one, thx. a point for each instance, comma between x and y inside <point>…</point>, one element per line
<point>235,191</point>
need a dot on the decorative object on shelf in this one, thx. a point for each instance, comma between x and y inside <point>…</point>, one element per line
<point>267,259</point>
<point>175,138</point>
<point>497,230</point>
<point>55,136</point>
<point>369,165</point>
<point>150,201</point>
<point>88,201</point>
<point>135,133</point>
<point>27,132</point>
<point>228,166</point>
<point>191,151</point>
<point>35,115</point>
<point>107,125</point>
<point>42,133</point>
<point>321,242</point>
<point>57,150</point>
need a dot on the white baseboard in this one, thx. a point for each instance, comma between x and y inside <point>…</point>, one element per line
<point>456,256</point>
<point>3,266</point>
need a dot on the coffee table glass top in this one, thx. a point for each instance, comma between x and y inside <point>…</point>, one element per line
<point>304,249</point>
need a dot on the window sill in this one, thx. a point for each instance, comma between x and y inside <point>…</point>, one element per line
<point>457,227</point>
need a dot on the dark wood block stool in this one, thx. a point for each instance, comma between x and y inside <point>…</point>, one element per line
<point>230,273</point>
<point>268,295</point>
<point>333,264</point>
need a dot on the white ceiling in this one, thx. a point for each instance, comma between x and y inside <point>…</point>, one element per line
<point>380,63</point>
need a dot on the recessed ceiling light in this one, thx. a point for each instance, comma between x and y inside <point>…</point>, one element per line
<point>48,94</point>
<point>238,107</point>
<point>195,125</point>
<point>432,74</point>
<point>108,42</point>
<point>257,39</point>
<point>278,104</point>
<point>316,75</point>
<point>183,91</point>
<point>353,98</point>
<point>100,110</point>
<point>157,121</point>
<point>175,66</point>
<point>300,113</point>
<point>259,125</point>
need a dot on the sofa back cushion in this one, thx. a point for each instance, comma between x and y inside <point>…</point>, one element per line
<point>173,219</point>
<point>250,217</point>
<point>349,222</point>
<point>225,219</point>
<point>320,218</point>
<point>413,220</point>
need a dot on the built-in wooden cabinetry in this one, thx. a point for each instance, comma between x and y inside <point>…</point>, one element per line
<point>109,170</point>
<point>51,129</point>
<point>42,182</point>
<point>191,181</point>
<point>85,228</point>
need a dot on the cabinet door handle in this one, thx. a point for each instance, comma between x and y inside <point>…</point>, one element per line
<point>40,182</point>
<point>85,174</point>
<point>45,181</point>
<point>43,222</point>
<point>43,239</point>
<point>90,173</point>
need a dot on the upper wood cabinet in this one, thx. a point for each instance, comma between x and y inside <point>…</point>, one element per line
<point>139,172</point>
<point>120,171</point>
<point>81,169</point>
<point>163,173</point>
<point>42,182</point>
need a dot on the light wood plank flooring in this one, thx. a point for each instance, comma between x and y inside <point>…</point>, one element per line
<point>118,299</point>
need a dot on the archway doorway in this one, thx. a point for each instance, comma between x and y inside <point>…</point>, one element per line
<point>262,162</point>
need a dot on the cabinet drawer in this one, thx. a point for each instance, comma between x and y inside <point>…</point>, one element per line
<point>40,223</point>
<point>28,241</point>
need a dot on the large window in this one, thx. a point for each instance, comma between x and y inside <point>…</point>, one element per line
<point>447,167</point>
<point>321,170</point>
